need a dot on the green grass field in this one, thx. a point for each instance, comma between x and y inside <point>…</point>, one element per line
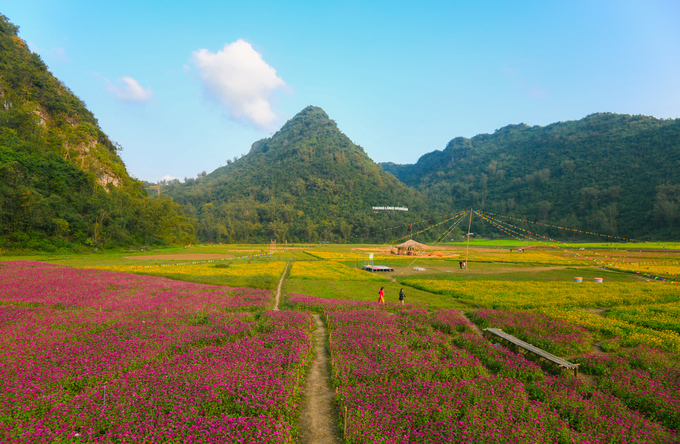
<point>491,266</point>
<point>368,291</point>
<point>443,269</point>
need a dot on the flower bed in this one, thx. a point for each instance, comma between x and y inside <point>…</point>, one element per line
<point>304,302</point>
<point>131,358</point>
<point>596,414</point>
<point>205,269</point>
<point>499,359</point>
<point>34,283</point>
<point>646,379</point>
<point>615,333</point>
<point>450,321</point>
<point>397,389</point>
<point>527,295</point>
<point>556,336</point>
<point>399,381</point>
<point>529,257</point>
<point>657,316</point>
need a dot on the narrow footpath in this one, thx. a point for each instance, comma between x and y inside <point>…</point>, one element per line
<point>317,418</point>
<point>478,331</point>
<point>278,289</point>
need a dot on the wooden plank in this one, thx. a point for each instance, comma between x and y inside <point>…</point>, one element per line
<point>531,348</point>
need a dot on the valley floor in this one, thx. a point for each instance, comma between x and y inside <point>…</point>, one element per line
<point>183,343</point>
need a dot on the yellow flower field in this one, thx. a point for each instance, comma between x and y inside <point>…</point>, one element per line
<point>629,334</point>
<point>348,256</point>
<point>331,271</point>
<point>273,269</point>
<point>530,258</point>
<point>656,316</point>
<point>647,268</point>
<point>508,294</point>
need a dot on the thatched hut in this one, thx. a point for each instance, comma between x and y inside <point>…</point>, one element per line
<point>410,248</point>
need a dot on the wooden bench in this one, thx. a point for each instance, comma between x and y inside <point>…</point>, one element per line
<point>519,344</point>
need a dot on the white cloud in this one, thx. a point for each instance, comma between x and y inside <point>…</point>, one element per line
<point>130,90</point>
<point>239,79</point>
<point>168,178</point>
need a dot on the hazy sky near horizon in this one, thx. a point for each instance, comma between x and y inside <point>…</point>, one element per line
<point>184,86</point>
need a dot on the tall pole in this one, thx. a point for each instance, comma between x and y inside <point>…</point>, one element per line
<point>467,247</point>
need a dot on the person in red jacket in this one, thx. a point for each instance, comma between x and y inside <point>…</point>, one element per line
<point>381,296</point>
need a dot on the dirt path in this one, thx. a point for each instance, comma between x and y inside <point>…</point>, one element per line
<point>316,421</point>
<point>597,311</point>
<point>475,327</point>
<point>278,289</point>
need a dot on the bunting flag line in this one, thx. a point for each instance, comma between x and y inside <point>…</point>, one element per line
<point>530,234</point>
<point>440,238</point>
<point>517,235</point>
<point>626,239</point>
<point>600,258</point>
<point>462,213</point>
<point>410,224</point>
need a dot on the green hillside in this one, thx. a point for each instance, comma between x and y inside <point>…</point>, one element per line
<point>62,183</point>
<point>609,173</point>
<point>308,182</point>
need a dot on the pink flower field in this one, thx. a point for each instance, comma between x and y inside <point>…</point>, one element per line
<point>401,381</point>
<point>90,356</point>
<point>106,357</point>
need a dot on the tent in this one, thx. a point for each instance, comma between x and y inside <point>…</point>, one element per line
<point>410,248</point>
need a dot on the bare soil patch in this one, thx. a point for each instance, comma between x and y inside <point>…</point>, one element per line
<point>475,327</point>
<point>597,311</point>
<point>589,380</point>
<point>180,257</point>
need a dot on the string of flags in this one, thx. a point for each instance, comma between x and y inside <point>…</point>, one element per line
<point>626,239</point>
<point>431,226</point>
<point>600,258</point>
<point>518,236</point>
<point>440,238</point>
<point>519,228</point>
<point>448,230</point>
<point>410,226</point>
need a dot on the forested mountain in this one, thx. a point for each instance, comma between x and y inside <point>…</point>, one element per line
<point>308,182</point>
<point>62,183</point>
<point>609,173</point>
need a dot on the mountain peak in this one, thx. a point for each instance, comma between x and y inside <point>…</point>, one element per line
<point>311,116</point>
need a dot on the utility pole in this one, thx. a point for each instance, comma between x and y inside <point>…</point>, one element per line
<point>467,247</point>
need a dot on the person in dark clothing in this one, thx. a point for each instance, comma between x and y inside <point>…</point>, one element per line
<point>401,296</point>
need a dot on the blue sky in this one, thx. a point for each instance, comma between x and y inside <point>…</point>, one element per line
<point>183,87</point>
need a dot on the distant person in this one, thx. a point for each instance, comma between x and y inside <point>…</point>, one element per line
<point>460,264</point>
<point>401,296</point>
<point>381,296</point>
